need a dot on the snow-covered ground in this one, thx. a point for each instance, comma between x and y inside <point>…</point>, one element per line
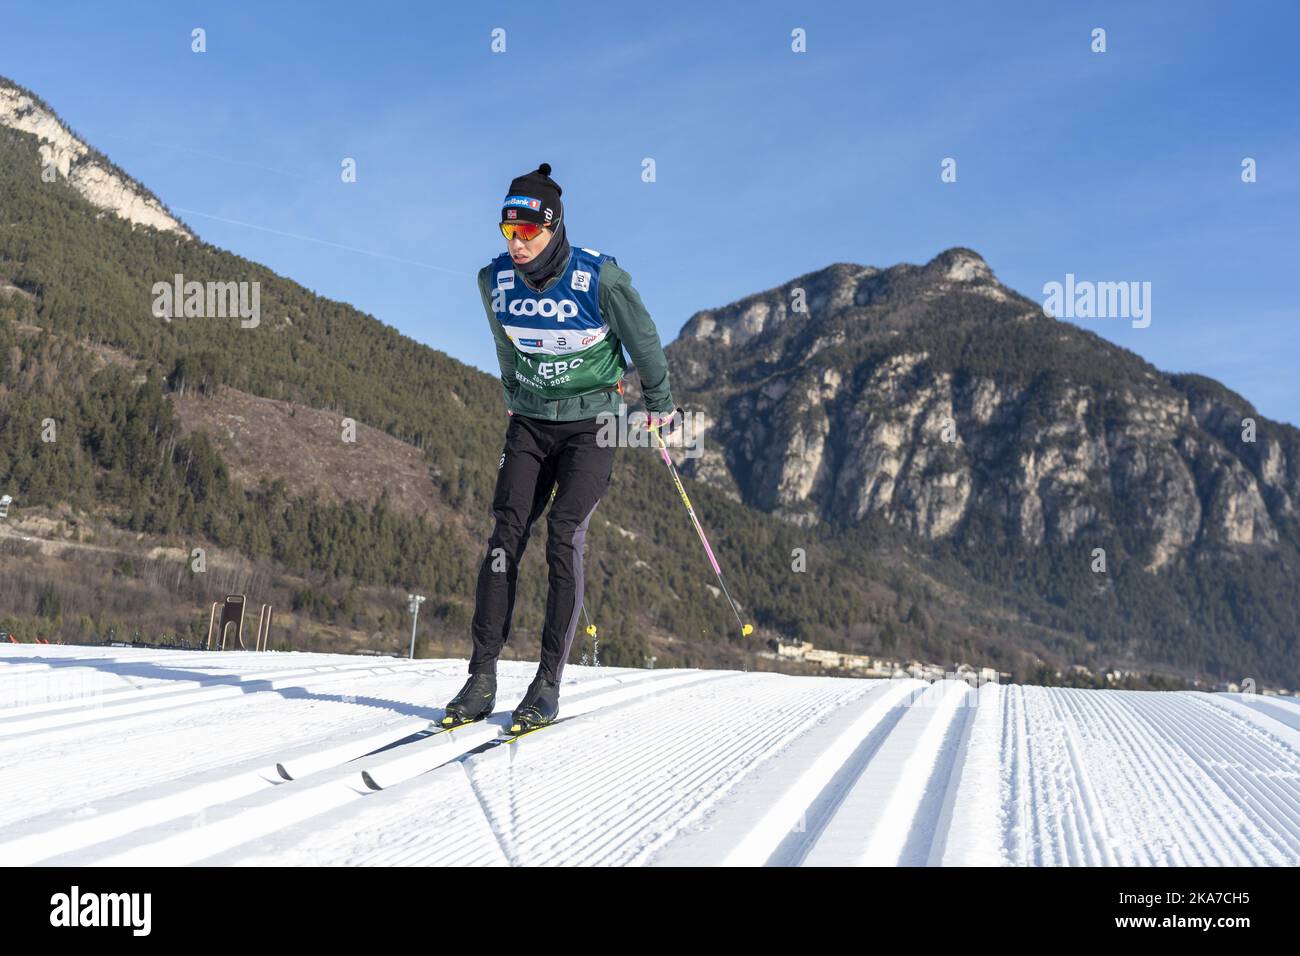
<point>132,756</point>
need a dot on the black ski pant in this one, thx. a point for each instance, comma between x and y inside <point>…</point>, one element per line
<point>539,455</point>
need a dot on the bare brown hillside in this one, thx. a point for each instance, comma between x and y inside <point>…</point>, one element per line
<point>304,447</point>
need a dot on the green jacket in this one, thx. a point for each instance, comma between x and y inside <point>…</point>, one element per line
<point>630,325</point>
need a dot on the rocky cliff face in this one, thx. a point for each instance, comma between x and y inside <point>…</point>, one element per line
<point>950,405</point>
<point>83,168</point>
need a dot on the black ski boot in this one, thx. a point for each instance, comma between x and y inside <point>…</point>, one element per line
<point>540,706</point>
<point>474,702</point>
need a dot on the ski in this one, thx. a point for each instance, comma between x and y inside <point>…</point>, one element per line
<point>508,738</point>
<point>505,737</point>
<point>432,730</point>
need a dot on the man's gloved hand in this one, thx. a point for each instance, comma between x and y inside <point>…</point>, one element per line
<point>665,422</point>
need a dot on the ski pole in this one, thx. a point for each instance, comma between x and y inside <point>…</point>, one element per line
<point>745,629</point>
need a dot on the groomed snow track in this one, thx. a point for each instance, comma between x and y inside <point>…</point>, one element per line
<point>125,756</point>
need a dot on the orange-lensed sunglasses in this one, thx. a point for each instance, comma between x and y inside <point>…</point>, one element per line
<point>521,230</point>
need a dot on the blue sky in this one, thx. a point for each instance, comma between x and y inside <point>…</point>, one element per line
<point>1115,167</point>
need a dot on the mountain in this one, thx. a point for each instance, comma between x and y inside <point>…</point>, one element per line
<point>1055,435</point>
<point>940,402</point>
<point>130,440</point>
<point>87,170</point>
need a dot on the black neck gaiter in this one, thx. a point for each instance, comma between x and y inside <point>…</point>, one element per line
<point>553,260</point>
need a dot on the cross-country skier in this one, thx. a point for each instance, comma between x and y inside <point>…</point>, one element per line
<point>561,318</point>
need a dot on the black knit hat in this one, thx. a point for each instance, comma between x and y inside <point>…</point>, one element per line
<point>534,197</point>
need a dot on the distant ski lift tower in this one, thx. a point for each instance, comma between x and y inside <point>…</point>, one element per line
<point>414,607</point>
